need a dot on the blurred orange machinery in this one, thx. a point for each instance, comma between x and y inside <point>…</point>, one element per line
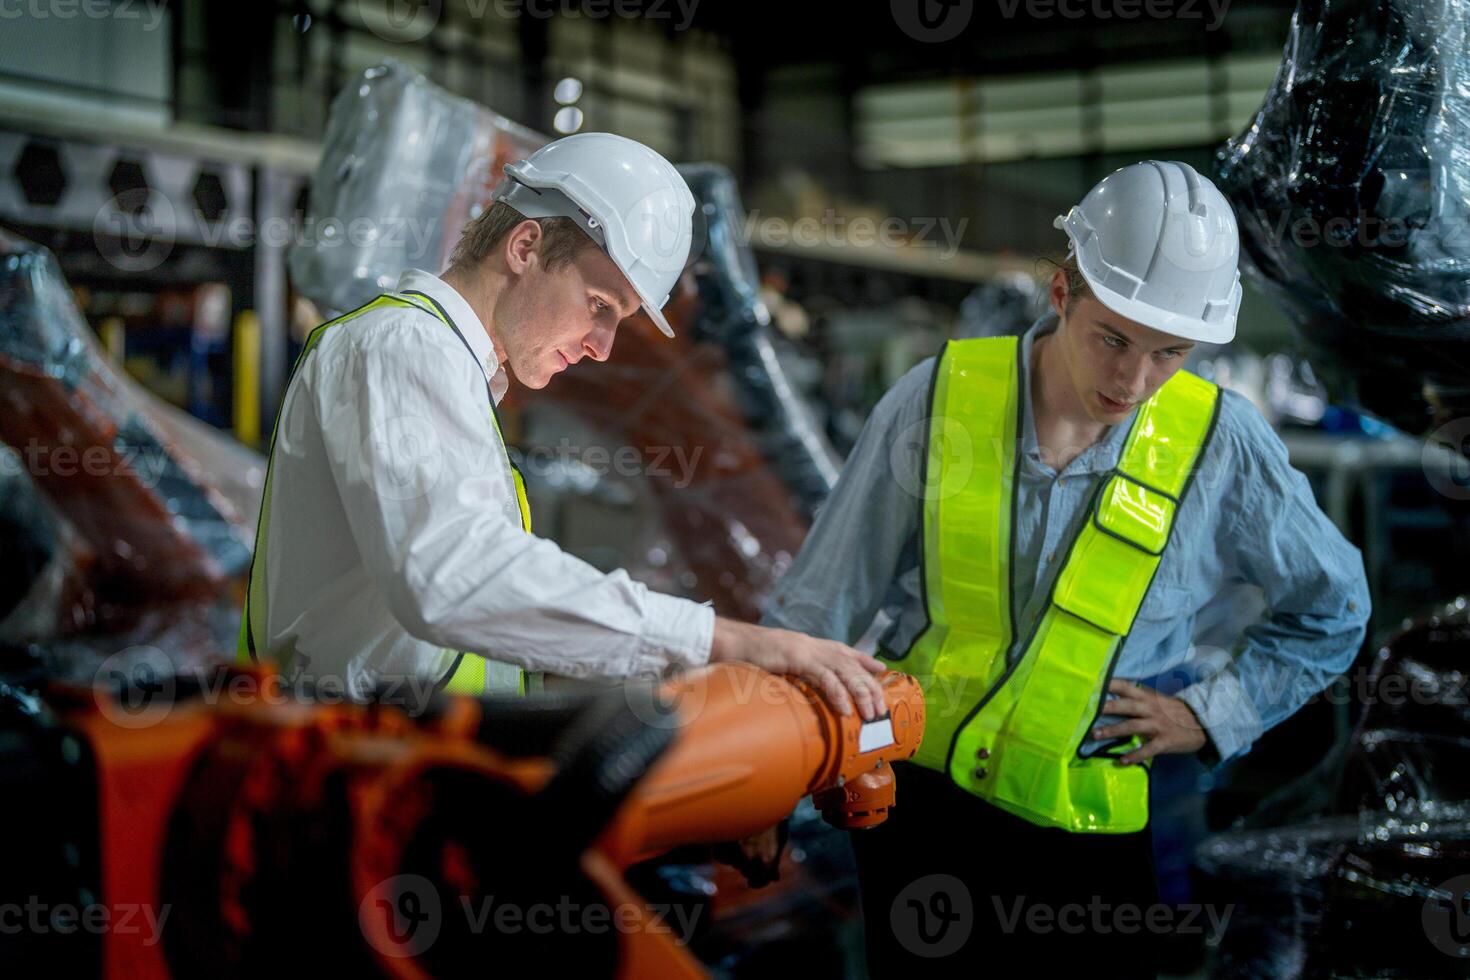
<point>268,832</point>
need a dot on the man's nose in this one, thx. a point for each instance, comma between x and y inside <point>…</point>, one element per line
<point>598,344</point>
<point>1133,375</point>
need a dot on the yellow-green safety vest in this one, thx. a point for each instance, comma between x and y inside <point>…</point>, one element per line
<point>1010,730</point>
<point>469,673</point>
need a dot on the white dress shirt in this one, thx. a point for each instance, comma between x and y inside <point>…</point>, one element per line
<point>395,537</point>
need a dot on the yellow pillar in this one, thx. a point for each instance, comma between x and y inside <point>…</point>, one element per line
<point>114,337</point>
<point>247,378</point>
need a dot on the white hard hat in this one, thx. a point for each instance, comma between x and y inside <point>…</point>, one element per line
<point>627,198</point>
<point>1158,244</point>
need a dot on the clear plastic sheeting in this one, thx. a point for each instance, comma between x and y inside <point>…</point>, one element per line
<point>690,462</point>
<point>733,316</point>
<point>1344,897</point>
<point>663,417</point>
<point>1002,307</point>
<point>41,587</point>
<point>1362,867</point>
<point>404,166</point>
<point>106,514</point>
<point>719,461</point>
<point>1352,190</point>
<point>1283,387</point>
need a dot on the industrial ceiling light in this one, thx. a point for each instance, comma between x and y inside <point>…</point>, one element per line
<point>568,119</point>
<point>568,90</point>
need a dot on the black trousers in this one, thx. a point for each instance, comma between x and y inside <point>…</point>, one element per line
<point>952,886</point>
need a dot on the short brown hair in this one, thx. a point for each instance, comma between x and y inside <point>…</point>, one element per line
<point>1077,287</point>
<point>561,238</point>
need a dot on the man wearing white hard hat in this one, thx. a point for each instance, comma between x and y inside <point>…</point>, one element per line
<point>1043,517</point>
<point>395,538</point>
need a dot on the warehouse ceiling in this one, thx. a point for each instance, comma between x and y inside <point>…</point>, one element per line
<point>879,41</point>
<point>944,83</point>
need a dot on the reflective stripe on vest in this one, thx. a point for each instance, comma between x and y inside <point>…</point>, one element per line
<point>469,673</point>
<point>1009,730</point>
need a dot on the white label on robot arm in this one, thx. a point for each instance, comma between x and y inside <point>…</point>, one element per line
<point>875,734</point>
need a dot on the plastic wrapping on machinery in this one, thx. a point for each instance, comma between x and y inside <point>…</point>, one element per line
<point>1003,307</point>
<point>734,317</point>
<point>404,165</point>
<point>1351,186</point>
<point>670,425</point>
<point>105,510</point>
<point>1358,868</point>
<point>700,442</point>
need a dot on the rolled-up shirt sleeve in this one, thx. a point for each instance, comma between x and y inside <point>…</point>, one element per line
<point>839,580</point>
<point>1316,597</point>
<point>421,474</point>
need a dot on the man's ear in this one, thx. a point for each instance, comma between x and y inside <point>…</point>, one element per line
<point>1058,293</point>
<point>521,246</point>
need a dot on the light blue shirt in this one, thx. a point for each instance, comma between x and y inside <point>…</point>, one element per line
<point>1248,517</point>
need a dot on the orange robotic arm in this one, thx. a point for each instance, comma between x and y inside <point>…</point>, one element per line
<point>750,746</point>
<point>255,818</point>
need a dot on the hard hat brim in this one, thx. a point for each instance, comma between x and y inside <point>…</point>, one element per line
<point>657,316</point>
<point>1185,328</point>
<point>650,305</point>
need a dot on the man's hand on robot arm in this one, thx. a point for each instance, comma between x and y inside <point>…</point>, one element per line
<point>842,674</point>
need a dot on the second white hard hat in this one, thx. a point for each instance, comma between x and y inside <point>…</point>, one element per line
<point>626,197</point>
<point>1158,244</point>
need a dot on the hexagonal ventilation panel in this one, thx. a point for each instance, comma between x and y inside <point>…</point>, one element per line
<point>38,170</point>
<point>129,186</point>
<point>209,197</point>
